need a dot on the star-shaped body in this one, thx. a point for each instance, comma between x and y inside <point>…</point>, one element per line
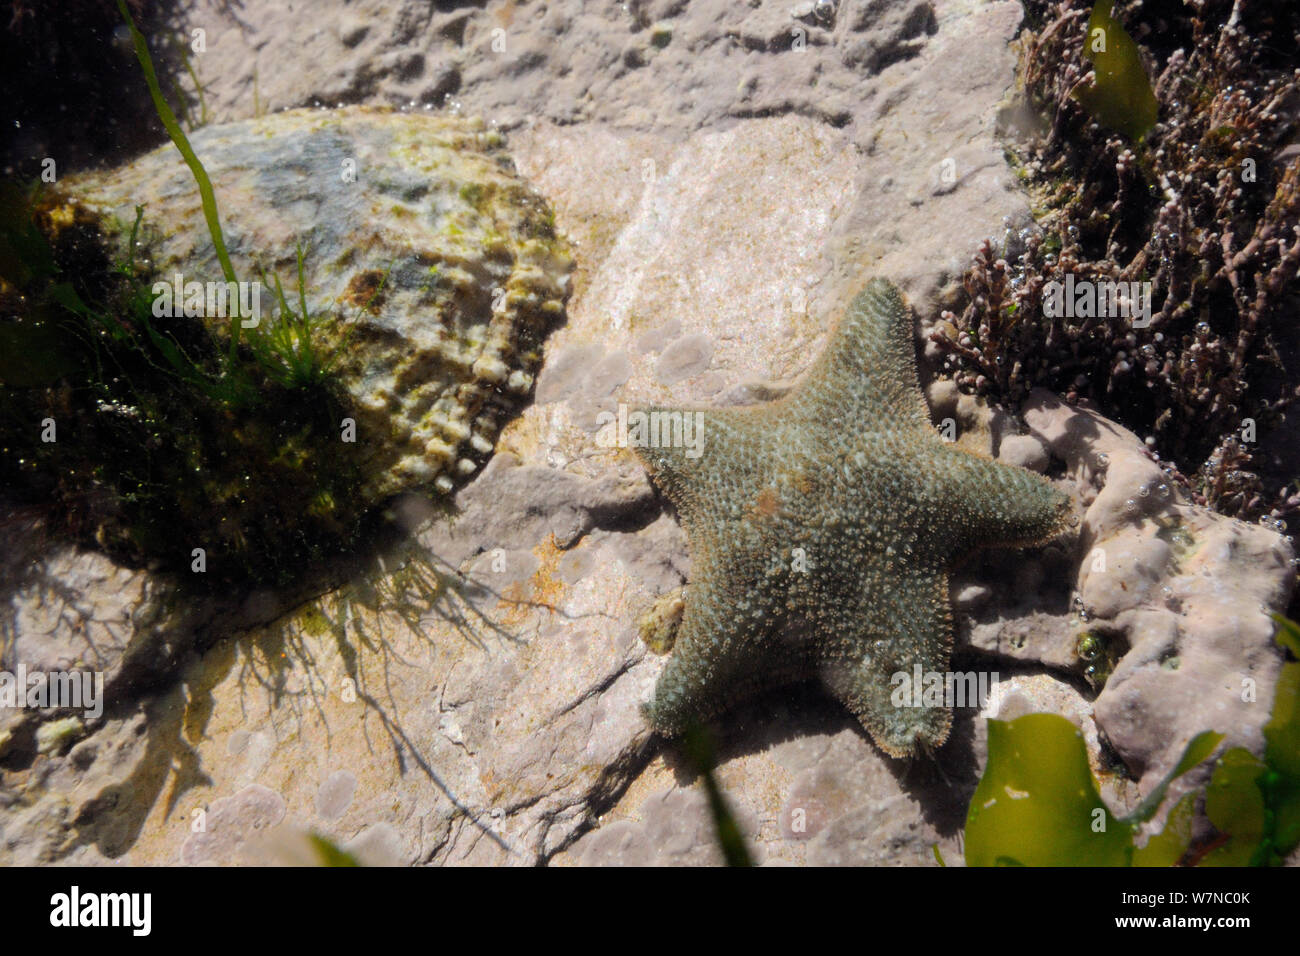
<point>823,528</point>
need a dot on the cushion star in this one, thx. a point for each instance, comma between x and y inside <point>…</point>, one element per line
<point>823,528</point>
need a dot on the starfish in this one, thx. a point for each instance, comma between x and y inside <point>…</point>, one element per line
<point>823,528</point>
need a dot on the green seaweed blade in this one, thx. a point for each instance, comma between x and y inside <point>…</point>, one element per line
<point>1037,803</point>
<point>1281,784</point>
<point>1122,97</point>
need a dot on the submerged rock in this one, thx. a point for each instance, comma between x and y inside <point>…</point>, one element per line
<point>511,705</point>
<point>432,267</point>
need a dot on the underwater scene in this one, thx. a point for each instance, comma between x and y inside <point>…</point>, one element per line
<point>661,433</point>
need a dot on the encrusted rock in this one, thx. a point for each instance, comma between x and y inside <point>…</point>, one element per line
<point>434,270</point>
<point>1181,594</point>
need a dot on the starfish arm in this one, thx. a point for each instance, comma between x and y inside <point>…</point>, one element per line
<point>867,373</point>
<point>694,461</point>
<point>872,668</point>
<point>699,678</point>
<point>997,503</point>
<point>728,643</point>
<point>689,690</point>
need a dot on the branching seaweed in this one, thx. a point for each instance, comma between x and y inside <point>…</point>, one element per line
<point>1203,211</point>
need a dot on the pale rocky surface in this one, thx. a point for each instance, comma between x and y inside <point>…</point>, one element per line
<point>903,89</point>
<point>415,716</point>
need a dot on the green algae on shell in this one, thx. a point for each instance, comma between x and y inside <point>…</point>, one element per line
<point>429,278</point>
<point>473,273</point>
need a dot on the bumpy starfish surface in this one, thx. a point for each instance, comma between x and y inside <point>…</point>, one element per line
<point>823,527</point>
